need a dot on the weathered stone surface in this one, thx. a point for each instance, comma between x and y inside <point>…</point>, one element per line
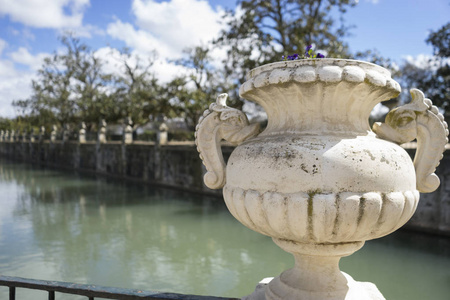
<point>318,180</point>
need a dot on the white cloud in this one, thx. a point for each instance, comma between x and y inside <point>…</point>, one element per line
<point>84,31</point>
<point>178,23</point>
<point>168,27</point>
<point>422,61</point>
<point>139,40</point>
<point>14,85</point>
<point>112,59</point>
<point>15,82</point>
<point>22,56</point>
<point>44,13</point>
<point>3,45</point>
<point>166,71</point>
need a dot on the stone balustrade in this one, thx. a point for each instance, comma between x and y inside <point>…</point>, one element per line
<point>66,134</point>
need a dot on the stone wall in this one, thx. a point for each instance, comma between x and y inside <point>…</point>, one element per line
<point>179,166</point>
<point>173,165</point>
<point>433,212</point>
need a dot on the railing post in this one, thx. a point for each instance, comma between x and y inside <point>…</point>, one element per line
<point>66,133</point>
<point>53,134</point>
<point>24,136</point>
<point>128,131</point>
<point>102,132</point>
<point>12,293</point>
<point>32,133</point>
<point>41,134</point>
<point>51,295</point>
<point>161,136</point>
<point>82,133</point>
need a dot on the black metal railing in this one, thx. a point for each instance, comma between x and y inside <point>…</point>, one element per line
<point>92,291</point>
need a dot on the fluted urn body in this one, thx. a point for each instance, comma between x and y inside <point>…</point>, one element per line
<point>318,180</point>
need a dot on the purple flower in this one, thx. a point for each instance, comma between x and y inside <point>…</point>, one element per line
<point>292,57</point>
<point>307,54</point>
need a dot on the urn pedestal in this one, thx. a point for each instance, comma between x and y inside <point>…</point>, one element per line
<point>318,179</point>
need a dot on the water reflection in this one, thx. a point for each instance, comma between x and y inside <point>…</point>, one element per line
<point>112,233</point>
<point>84,229</point>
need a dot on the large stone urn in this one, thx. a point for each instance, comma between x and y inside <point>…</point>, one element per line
<point>318,179</point>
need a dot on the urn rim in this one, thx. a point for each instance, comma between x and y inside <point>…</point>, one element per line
<point>342,62</point>
<point>325,71</point>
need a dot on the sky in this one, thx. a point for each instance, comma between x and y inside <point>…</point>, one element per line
<point>29,31</point>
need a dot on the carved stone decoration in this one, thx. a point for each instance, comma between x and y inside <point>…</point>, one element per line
<point>82,133</point>
<point>53,134</point>
<point>32,135</point>
<point>102,132</point>
<point>218,123</point>
<point>162,135</point>
<point>12,136</point>
<point>66,133</point>
<point>318,180</point>
<point>128,131</point>
<point>419,119</point>
<point>24,136</point>
<point>41,134</point>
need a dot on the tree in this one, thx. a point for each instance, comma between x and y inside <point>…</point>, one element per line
<point>262,31</point>
<point>6,124</point>
<point>137,93</point>
<point>70,87</point>
<point>192,92</point>
<point>433,76</point>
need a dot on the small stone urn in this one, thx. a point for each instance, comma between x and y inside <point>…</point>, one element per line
<point>318,179</point>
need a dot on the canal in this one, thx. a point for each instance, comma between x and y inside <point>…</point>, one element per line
<point>80,228</point>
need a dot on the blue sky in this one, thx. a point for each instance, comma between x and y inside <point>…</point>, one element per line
<point>29,31</point>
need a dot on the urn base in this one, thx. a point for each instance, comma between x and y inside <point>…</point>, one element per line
<point>353,290</point>
<point>316,275</point>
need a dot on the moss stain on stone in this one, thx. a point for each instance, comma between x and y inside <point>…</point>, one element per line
<point>311,195</point>
<point>336,220</point>
<point>362,206</point>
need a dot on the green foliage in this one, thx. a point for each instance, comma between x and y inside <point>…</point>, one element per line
<point>434,77</point>
<point>263,31</point>
<point>440,40</point>
<point>72,87</point>
<point>147,135</point>
<point>69,87</point>
<point>191,93</point>
<point>137,93</point>
<point>181,135</point>
<point>6,124</point>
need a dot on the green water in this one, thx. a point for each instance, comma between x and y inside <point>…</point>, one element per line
<point>69,227</point>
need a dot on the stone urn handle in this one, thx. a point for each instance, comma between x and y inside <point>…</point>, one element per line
<point>419,120</point>
<point>217,123</point>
